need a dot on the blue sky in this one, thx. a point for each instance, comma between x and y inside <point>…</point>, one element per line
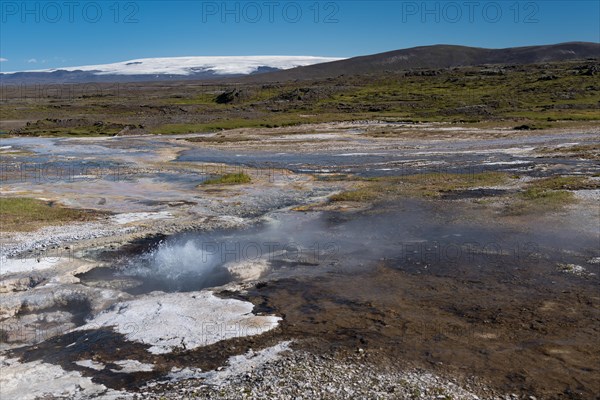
<point>50,34</point>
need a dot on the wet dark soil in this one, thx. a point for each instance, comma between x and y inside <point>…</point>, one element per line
<point>448,287</point>
<point>519,336</point>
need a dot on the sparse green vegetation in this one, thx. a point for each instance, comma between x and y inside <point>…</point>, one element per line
<point>549,194</point>
<point>547,197</point>
<point>78,131</point>
<point>178,129</point>
<point>270,120</point>
<point>420,185</point>
<point>360,195</point>
<point>546,194</point>
<point>229,179</point>
<point>25,214</point>
<point>585,151</point>
<point>564,183</point>
<point>433,184</point>
<point>512,97</point>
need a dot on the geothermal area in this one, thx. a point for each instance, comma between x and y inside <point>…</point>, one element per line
<point>359,260</point>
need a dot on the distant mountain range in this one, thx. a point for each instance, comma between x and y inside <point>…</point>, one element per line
<point>160,69</point>
<point>282,68</point>
<point>437,57</point>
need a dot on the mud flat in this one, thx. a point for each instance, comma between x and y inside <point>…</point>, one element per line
<point>351,260</point>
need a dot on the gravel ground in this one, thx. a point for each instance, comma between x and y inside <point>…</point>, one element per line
<point>593,195</point>
<point>52,236</point>
<point>301,375</point>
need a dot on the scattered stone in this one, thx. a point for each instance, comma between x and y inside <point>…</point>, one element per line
<point>275,373</point>
<point>575,269</point>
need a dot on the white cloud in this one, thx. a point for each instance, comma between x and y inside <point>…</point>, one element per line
<point>2,59</point>
<point>32,61</point>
